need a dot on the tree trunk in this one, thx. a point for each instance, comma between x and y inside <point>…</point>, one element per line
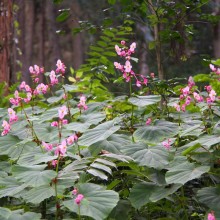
<point>54,46</point>
<point>77,39</point>
<point>216,40</point>
<point>40,33</point>
<point>28,40</point>
<point>158,43</point>
<point>5,36</point>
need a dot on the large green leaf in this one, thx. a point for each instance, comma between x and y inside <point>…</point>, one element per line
<point>97,202</point>
<point>142,101</point>
<point>10,187</point>
<point>156,156</point>
<point>157,132</point>
<point>7,214</point>
<point>85,121</point>
<point>121,211</point>
<point>191,128</point>
<point>33,175</point>
<point>6,142</point>
<point>182,171</point>
<point>92,118</point>
<point>207,141</point>
<point>210,196</point>
<point>50,134</point>
<point>39,194</point>
<point>99,133</point>
<point>35,156</point>
<point>111,144</point>
<point>143,193</point>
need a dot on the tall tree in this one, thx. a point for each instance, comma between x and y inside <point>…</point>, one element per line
<point>216,40</point>
<point>5,39</point>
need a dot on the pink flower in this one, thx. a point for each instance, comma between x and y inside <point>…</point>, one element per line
<point>145,81</point>
<point>54,163</point>
<point>65,96</point>
<point>133,47</point>
<point>36,80</point>
<point>126,76</point>
<point>166,144</point>
<point>123,42</point>
<point>78,199</point>
<point>6,127</point>
<point>185,91</point>
<point>64,121</point>
<point>212,95</point>
<point>127,66</point>
<point>211,216</point>
<point>54,124</point>
<point>208,88</point>
<point>197,97</point>
<point>36,70</point>
<point>12,115</point>
<point>148,122</point>
<point>208,100</point>
<point>138,83</point>
<point>60,67</point>
<point>82,103</point>
<point>118,50</point>
<point>191,82</point>
<point>61,149</point>
<point>118,66</point>
<point>212,67</point>
<point>53,78</point>
<point>41,89</point>
<point>75,192</point>
<point>29,96</point>
<point>183,108</point>
<point>62,112</point>
<point>71,139</point>
<point>22,85</point>
<point>188,100</point>
<point>177,107</point>
<point>16,100</point>
<point>48,147</point>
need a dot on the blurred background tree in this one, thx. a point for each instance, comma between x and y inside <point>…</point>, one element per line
<point>175,38</point>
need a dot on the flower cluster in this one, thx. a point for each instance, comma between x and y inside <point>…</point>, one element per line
<point>62,147</point>
<point>148,122</point>
<point>12,118</point>
<point>79,197</point>
<point>126,69</point>
<point>190,94</point>
<point>82,103</point>
<point>167,144</point>
<point>214,69</point>
<point>211,216</point>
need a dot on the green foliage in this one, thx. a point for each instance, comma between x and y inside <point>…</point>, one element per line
<point>121,166</point>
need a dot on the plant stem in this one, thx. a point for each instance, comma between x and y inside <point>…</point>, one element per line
<point>31,126</point>
<point>132,107</point>
<point>56,197</point>
<point>79,216</point>
<point>183,203</point>
<point>78,149</point>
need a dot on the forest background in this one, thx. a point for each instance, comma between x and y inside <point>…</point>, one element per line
<point>175,38</point>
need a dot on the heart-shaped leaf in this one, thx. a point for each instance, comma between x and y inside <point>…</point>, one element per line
<point>156,156</point>
<point>142,101</point>
<point>97,202</point>
<point>182,171</point>
<point>157,132</point>
<point>99,133</point>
